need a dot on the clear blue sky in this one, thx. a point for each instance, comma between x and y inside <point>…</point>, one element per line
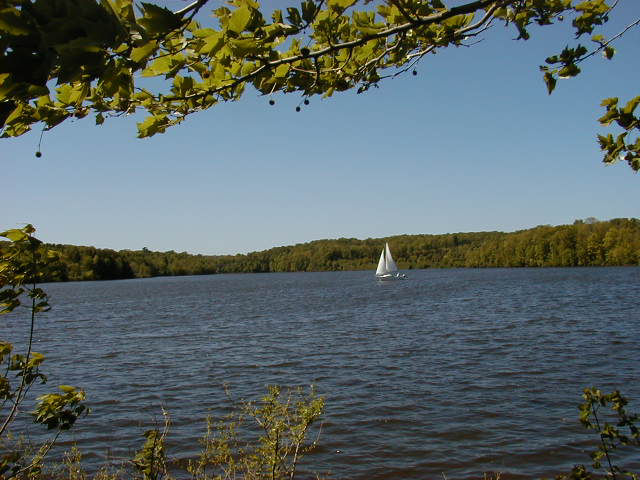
<point>472,143</point>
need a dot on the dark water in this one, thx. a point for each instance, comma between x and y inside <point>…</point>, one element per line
<point>454,372</point>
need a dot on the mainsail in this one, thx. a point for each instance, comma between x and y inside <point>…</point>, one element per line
<point>391,265</point>
<point>386,264</point>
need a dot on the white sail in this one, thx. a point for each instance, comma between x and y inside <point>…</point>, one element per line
<point>382,267</point>
<point>387,268</point>
<point>390,263</point>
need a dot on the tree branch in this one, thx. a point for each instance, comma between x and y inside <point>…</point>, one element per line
<point>608,42</point>
<point>420,21</point>
<point>197,5</point>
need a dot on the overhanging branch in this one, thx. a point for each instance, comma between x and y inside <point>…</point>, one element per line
<point>490,5</point>
<point>197,5</point>
<point>611,40</point>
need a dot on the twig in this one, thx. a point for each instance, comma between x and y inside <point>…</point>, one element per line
<point>21,389</point>
<point>42,455</point>
<point>197,5</point>
<point>606,44</point>
<point>604,445</point>
<point>422,53</point>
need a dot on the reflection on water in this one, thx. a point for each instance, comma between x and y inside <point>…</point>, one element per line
<point>453,371</point>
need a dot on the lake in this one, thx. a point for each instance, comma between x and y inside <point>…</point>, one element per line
<point>454,372</point>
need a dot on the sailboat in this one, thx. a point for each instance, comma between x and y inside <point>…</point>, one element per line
<point>387,268</point>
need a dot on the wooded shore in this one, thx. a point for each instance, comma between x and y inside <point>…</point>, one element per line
<point>584,243</point>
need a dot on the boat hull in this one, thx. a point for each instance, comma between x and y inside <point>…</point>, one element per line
<point>389,277</point>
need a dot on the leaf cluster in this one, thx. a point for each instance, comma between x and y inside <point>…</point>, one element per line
<point>232,448</point>
<point>589,15</point>
<point>621,432</point>
<point>151,460</point>
<point>60,410</point>
<point>100,54</point>
<point>621,147</point>
<point>23,263</point>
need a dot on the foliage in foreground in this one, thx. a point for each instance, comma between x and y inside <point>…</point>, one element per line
<point>256,441</point>
<point>100,54</point>
<point>585,243</point>
<point>616,430</point>
<point>281,424</point>
<point>22,261</point>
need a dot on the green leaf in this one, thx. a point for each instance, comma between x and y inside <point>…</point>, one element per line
<point>15,114</point>
<point>294,17</point>
<point>152,125</point>
<point>158,20</point>
<point>64,93</point>
<point>609,52</point>
<point>550,80</point>
<point>608,117</point>
<point>340,5</point>
<point>182,85</point>
<point>147,127</point>
<point>309,10</point>
<point>36,359</point>
<point>15,235</point>
<point>159,66</point>
<point>44,101</point>
<point>212,43</point>
<point>631,105</point>
<point>123,9</point>
<point>78,93</point>
<point>239,19</point>
<point>276,16</point>
<point>570,70</point>
<point>5,349</point>
<point>142,53</point>
<point>608,102</point>
<point>244,47</point>
<point>281,71</point>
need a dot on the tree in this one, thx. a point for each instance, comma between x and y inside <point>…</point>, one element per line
<point>101,55</point>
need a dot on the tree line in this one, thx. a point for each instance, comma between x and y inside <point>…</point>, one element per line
<point>584,243</point>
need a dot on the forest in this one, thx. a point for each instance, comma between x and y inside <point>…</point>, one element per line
<point>586,242</point>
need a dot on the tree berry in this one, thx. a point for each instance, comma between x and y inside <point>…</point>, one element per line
<point>297,109</point>
<point>38,154</point>
<point>306,101</point>
<point>272,102</point>
<point>415,72</point>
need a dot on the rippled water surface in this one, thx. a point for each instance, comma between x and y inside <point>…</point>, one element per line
<point>452,371</point>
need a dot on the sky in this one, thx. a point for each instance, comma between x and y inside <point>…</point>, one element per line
<point>471,143</point>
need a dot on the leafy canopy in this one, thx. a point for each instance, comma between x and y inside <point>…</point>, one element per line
<point>69,58</point>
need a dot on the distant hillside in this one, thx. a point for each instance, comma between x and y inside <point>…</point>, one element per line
<point>585,243</point>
